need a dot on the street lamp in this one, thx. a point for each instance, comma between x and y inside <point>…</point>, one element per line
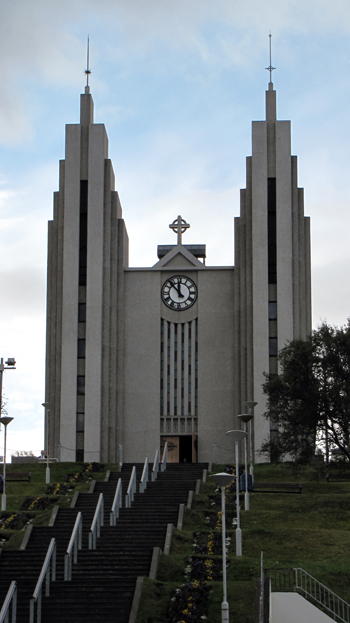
<point>5,421</point>
<point>222,480</point>
<point>10,365</point>
<point>251,404</point>
<point>47,406</point>
<point>237,436</point>
<point>245,417</point>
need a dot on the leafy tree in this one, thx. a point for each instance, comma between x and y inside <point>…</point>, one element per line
<point>309,401</point>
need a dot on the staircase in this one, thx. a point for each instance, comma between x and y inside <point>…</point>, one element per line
<point>103,580</point>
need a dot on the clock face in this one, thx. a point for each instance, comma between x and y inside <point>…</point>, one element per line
<point>179,292</point>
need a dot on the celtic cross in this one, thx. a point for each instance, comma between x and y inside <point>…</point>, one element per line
<point>179,227</point>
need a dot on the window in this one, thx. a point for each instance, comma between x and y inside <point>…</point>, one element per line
<point>79,456</point>
<point>82,312</point>
<point>80,422</point>
<point>273,346</point>
<point>81,349</point>
<point>81,385</point>
<point>272,310</point>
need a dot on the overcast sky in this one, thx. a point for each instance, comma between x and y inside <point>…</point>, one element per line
<point>177,85</point>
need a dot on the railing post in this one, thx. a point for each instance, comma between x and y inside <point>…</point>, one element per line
<point>14,606</point>
<point>31,610</point>
<point>131,488</point>
<point>165,457</point>
<point>10,603</point>
<point>155,466</point>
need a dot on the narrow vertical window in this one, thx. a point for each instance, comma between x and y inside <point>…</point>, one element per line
<point>271,230</point>
<point>82,312</point>
<point>83,232</point>
<point>81,349</point>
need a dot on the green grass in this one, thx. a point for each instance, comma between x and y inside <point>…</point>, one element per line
<point>18,492</point>
<point>311,530</point>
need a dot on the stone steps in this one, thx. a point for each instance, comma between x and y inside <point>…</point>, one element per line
<point>103,580</point>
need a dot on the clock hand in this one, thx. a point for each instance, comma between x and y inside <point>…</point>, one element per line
<point>179,290</point>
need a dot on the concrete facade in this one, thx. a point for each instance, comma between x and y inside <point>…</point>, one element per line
<point>123,365</point>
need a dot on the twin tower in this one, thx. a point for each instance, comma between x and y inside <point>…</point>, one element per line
<point>139,356</point>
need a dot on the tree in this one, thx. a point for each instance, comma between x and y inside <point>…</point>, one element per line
<point>309,401</point>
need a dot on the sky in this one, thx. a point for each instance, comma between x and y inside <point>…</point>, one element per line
<point>177,85</point>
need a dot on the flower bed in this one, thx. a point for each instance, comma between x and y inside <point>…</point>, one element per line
<point>211,519</point>
<point>15,521</point>
<point>60,487</point>
<point>36,504</point>
<point>209,543</point>
<point>81,476</point>
<point>204,569</point>
<point>190,603</point>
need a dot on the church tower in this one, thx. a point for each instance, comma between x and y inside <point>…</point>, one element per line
<point>272,262</point>
<point>87,254</point>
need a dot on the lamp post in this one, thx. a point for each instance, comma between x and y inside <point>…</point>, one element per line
<point>237,436</point>
<point>5,421</point>
<point>222,480</point>
<point>251,404</point>
<point>245,417</point>
<point>47,406</point>
<point>10,365</point>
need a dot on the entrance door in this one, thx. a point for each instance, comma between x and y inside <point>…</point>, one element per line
<point>185,449</point>
<point>173,448</point>
<point>181,449</point>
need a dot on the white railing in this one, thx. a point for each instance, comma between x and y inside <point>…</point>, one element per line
<point>74,544</point>
<point>339,609</point>
<point>10,599</point>
<point>155,466</point>
<point>117,504</point>
<point>97,522</point>
<point>131,489</point>
<point>121,448</point>
<point>44,575</point>
<point>144,477</point>
<point>165,457</point>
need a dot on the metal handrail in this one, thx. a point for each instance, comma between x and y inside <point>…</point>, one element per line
<point>44,575</point>
<point>121,448</point>
<point>322,595</point>
<point>97,522</point>
<point>144,477</point>
<point>165,457</point>
<point>117,504</point>
<point>131,489</point>
<point>11,597</point>
<point>155,466</point>
<point>75,543</point>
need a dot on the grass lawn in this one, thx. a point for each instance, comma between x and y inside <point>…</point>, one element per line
<point>311,531</point>
<point>18,492</point>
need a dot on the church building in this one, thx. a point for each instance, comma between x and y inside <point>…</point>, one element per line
<point>139,356</point>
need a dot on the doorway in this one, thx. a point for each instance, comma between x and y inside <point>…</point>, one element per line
<point>181,448</point>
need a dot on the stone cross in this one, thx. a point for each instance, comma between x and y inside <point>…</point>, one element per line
<point>179,226</point>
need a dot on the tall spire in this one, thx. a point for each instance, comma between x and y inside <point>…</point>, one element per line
<point>270,68</point>
<point>87,71</point>
<point>86,103</point>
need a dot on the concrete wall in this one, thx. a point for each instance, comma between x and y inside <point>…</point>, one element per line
<point>70,294</point>
<point>143,312</point>
<point>141,409</point>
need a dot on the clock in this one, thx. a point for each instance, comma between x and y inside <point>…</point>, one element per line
<point>179,292</point>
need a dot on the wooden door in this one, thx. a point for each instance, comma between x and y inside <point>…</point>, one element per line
<point>173,448</point>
